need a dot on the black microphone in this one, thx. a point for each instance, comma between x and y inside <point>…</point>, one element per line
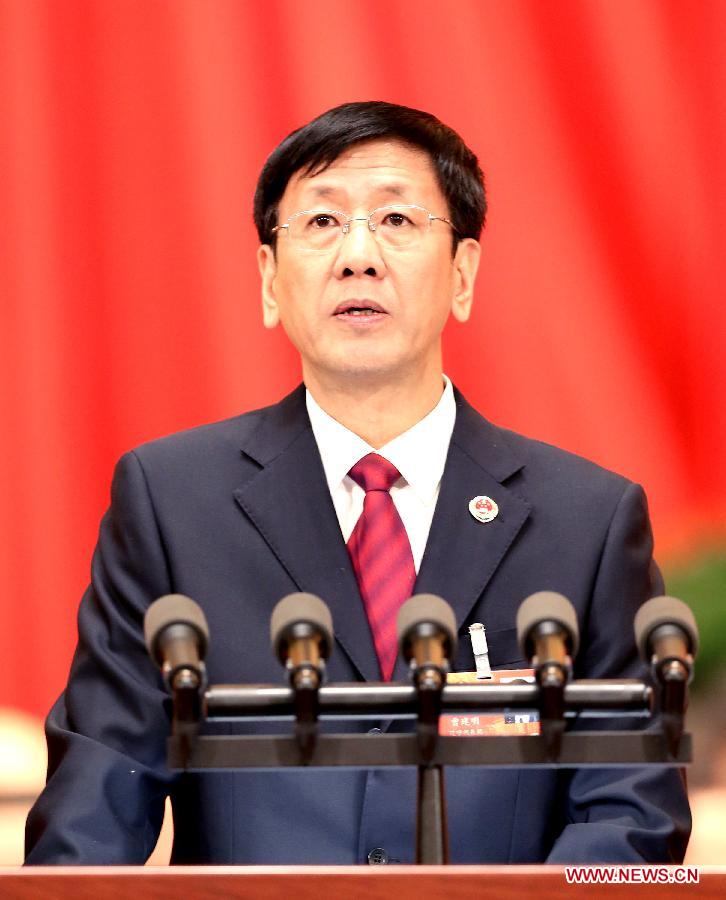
<point>548,635</point>
<point>667,637</point>
<point>177,637</point>
<point>301,631</point>
<point>426,628</point>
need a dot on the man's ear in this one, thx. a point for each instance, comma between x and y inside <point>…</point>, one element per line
<point>268,269</point>
<point>466,265</point>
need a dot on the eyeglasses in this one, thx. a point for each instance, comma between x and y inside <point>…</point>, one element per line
<point>400,225</point>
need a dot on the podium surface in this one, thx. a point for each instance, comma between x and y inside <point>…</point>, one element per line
<point>308,882</point>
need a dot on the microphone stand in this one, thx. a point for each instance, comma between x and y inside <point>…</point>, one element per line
<point>188,707</point>
<point>306,683</point>
<point>432,833</point>
<point>673,677</point>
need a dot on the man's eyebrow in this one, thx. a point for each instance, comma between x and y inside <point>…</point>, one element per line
<point>395,190</point>
<point>325,191</point>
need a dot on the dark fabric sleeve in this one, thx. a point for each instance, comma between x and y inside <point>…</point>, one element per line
<point>107,779</point>
<point>622,815</point>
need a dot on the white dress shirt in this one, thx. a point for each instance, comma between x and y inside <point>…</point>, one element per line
<point>419,454</point>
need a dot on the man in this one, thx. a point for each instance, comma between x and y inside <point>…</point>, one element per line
<point>369,219</point>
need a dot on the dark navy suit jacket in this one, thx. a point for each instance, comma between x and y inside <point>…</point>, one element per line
<point>237,515</point>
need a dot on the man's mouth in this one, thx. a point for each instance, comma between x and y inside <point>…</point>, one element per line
<point>359,308</point>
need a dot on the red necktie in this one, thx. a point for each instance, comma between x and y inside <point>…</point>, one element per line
<point>381,555</point>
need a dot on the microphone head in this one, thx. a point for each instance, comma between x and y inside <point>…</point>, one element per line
<point>300,609</point>
<point>664,611</point>
<point>174,609</point>
<point>546,606</point>
<point>426,609</point>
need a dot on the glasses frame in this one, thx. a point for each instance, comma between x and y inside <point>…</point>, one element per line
<point>345,226</point>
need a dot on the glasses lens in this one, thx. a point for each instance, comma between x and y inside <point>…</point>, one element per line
<point>316,229</point>
<point>400,226</point>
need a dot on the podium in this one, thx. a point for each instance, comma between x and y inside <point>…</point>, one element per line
<point>314,882</point>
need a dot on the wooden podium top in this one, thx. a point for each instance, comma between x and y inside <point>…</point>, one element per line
<point>374,882</point>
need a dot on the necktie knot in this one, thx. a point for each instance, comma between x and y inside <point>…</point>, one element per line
<point>374,473</point>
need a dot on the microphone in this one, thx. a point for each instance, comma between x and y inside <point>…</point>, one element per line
<point>301,632</point>
<point>548,635</point>
<point>667,636</point>
<point>177,637</point>
<point>426,628</point>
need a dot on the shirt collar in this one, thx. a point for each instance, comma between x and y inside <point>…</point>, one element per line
<point>419,454</point>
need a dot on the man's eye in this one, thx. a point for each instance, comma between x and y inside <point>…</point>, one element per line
<point>396,220</point>
<point>322,220</point>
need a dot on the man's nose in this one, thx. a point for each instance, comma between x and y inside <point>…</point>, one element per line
<point>359,252</point>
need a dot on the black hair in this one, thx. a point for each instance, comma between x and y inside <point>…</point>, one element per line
<point>313,147</point>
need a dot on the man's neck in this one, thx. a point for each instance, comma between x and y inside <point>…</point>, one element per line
<point>376,410</point>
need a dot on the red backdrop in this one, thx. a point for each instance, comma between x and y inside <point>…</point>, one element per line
<point>131,135</point>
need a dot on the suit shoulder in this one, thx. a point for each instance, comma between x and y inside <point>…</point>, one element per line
<point>565,487</point>
<point>507,454</point>
<point>203,441</point>
<point>547,459</point>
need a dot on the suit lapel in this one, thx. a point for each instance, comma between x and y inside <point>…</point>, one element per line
<point>289,503</point>
<point>462,553</point>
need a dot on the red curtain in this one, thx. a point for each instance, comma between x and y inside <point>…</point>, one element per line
<point>131,135</point>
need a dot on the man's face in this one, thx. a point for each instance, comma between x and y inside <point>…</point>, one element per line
<point>411,290</point>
